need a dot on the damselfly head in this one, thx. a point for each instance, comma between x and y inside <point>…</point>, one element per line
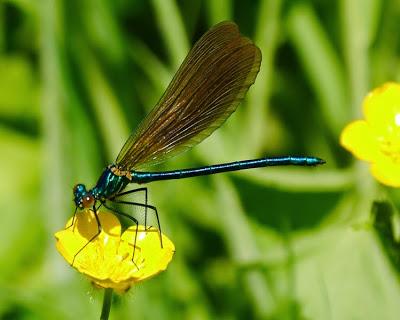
<point>79,189</point>
<point>82,198</point>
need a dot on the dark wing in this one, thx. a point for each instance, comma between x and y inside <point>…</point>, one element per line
<point>205,91</point>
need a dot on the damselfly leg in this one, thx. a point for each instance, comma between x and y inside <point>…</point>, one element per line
<point>119,195</point>
<point>73,220</point>
<point>99,228</point>
<point>133,220</point>
<point>146,206</point>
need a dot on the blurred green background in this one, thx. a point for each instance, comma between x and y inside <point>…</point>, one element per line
<point>76,77</point>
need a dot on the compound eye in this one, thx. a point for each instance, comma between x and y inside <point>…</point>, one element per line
<point>87,201</point>
<point>79,188</point>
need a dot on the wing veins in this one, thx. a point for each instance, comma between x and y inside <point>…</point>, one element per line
<point>206,89</point>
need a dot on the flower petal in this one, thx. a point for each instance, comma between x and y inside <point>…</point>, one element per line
<point>386,171</point>
<point>359,139</point>
<point>382,108</point>
<point>155,258</point>
<point>74,237</point>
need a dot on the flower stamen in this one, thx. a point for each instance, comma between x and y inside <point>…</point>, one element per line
<point>391,149</point>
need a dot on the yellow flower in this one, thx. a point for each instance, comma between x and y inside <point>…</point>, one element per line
<point>107,259</point>
<point>377,138</point>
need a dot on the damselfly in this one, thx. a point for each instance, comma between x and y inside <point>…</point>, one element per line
<point>205,91</point>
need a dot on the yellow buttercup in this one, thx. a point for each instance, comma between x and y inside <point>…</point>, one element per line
<point>107,259</point>
<point>377,138</point>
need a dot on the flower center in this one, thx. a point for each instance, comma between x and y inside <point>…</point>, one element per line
<point>391,148</point>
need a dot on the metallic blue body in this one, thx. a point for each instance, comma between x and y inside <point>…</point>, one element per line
<point>145,177</point>
<point>108,185</point>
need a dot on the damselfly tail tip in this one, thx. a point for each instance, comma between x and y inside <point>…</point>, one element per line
<point>314,161</point>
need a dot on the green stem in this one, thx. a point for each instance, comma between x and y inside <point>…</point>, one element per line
<point>105,311</point>
<point>2,26</point>
<point>321,63</point>
<point>266,37</point>
<point>219,11</point>
<point>359,23</point>
<point>172,27</point>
